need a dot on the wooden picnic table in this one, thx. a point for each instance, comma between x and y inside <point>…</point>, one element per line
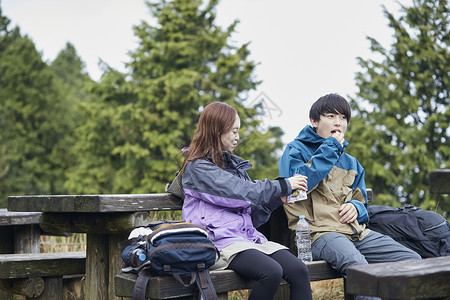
<point>107,220</point>
<point>440,181</point>
<point>414,279</point>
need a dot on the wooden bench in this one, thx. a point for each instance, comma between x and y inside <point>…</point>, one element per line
<point>20,248</point>
<point>19,232</point>
<point>167,287</point>
<point>415,279</point>
<point>39,275</point>
<point>225,281</point>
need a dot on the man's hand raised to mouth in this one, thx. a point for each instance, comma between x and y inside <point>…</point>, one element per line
<point>338,136</point>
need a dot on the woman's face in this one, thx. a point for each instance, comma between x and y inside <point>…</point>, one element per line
<point>230,139</point>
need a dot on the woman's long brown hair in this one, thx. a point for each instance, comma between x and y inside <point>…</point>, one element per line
<point>216,119</point>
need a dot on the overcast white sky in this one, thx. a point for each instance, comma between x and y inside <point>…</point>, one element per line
<point>305,48</point>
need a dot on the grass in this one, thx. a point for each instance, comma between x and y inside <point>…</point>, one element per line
<point>332,289</point>
<point>73,242</point>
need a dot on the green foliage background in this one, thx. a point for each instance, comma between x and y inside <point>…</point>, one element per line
<point>401,128</point>
<point>63,133</point>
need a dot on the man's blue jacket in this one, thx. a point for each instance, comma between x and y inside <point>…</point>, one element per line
<point>334,178</point>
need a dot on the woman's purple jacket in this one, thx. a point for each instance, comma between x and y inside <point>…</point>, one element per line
<point>227,202</point>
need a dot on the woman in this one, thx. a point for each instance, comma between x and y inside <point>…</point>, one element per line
<point>220,196</point>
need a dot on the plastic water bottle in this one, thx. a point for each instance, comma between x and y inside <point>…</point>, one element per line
<point>303,239</point>
<point>137,257</point>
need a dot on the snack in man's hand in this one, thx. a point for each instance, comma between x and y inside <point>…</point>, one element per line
<point>297,195</point>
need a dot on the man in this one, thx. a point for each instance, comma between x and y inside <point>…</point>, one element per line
<point>337,198</point>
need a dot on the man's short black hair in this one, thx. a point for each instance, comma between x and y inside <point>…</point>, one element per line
<point>331,103</point>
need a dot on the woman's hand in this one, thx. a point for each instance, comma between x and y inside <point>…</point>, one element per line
<point>298,182</point>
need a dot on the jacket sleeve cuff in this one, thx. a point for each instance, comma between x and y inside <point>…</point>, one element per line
<point>363,215</point>
<point>285,185</point>
<point>272,205</point>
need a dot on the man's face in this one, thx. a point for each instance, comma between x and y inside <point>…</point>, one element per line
<point>330,124</point>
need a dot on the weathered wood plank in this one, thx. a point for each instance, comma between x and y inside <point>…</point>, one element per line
<point>9,218</point>
<point>99,203</point>
<point>94,203</point>
<point>41,264</point>
<point>97,223</point>
<point>440,181</point>
<point>415,279</point>
<point>165,287</point>
<point>321,270</point>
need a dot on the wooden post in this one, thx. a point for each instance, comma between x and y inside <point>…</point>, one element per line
<point>440,181</point>
<point>53,286</point>
<point>97,256</point>
<point>115,260</point>
<point>27,239</point>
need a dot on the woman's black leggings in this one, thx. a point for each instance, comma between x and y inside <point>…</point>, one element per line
<point>268,270</point>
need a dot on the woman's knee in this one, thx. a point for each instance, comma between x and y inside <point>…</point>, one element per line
<point>296,267</point>
<point>256,265</point>
<point>297,271</point>
<point>271,273</point>
<point>302,269</point>
<point>293,268</point>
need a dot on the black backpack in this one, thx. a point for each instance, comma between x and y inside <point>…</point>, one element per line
<point>180,249</point>
<point>426,232</point>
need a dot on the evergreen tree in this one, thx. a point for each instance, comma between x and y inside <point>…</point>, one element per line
<point>32,119</point>
<point>75,87</point>
<point>401,128</point>
<point>97,162</point>
<point>70,69</point>
<point>144,118</point>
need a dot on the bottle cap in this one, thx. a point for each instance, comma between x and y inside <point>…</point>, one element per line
<point>301,216</point>
<point>142,257</point>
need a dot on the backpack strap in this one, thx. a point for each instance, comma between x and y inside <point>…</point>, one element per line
<point>178,277</point>
<point>141,285</point>
<point>204,283</point>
